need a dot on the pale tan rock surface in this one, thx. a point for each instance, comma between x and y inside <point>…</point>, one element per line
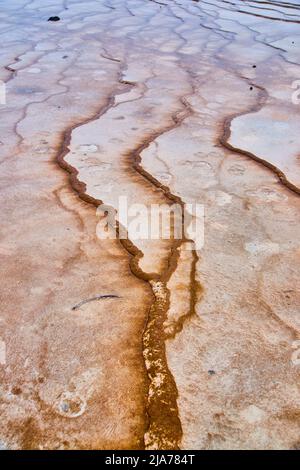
<point>158,102</point>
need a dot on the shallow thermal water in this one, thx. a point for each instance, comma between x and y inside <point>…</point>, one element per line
<point>155,343</point>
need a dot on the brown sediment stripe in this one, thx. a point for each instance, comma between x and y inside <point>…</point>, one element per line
<point>262,98</point>
<point>80,188</point>
<point>164,431</point>
<point>196,291</point>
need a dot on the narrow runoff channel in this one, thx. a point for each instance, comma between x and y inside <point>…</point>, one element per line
<point>164,431</point>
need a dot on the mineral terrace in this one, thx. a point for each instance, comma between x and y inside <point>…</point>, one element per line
<point>152,343</point>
